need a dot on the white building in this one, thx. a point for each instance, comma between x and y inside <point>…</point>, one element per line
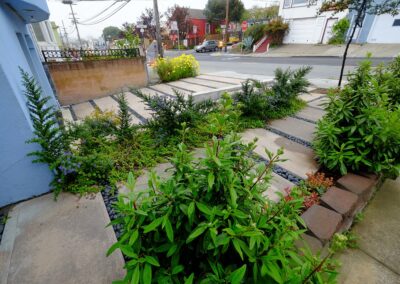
<point>44,35</point>
<point>305,25</point>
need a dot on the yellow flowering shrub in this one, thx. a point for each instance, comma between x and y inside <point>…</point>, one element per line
<point>172,69</point>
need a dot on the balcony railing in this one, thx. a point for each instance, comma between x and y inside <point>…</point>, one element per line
<point>87,55</point>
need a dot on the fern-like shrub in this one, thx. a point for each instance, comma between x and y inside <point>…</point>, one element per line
<point>265,101</point>
<point>169,114</point>
<point>48,133</point>
<point>124,129</point>
<point>209,223</point>
<point>361,128</point>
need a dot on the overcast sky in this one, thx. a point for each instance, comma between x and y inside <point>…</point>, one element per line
<point>85,9</point>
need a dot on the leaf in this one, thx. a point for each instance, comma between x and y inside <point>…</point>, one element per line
<point>237,247</point>
<point>197,232</point>
<point>177,269</point>
<point>190,279</point>
<point>273,271</point>
<point>153,225</point>
<point>169,230</point>
<point>191,209</point>
<point>233,195</point>
<point>152,260</point>
<point>237,275</point>
<point>136,275</point>
<point>128,251</point>
<point>204,208</point>
<point>113,248</point>
<point>147,274</point>
<point>133,237</point>
<point>211,179</point>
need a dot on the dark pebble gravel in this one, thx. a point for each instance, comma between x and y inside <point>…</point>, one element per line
<point>110,196</point>
<point>290,137</point>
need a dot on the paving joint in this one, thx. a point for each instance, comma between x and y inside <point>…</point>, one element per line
<point>132,111</point>
<point>159,93</point>
<point>178,89</point>
<point>290,137</point>
<point>73,114</point>
<point>203,85</point>
<point>305,119</point>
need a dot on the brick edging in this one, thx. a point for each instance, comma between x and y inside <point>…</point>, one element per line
<point>338,207</point>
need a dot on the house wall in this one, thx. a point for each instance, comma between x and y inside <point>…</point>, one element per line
<point>316,24</point>
<point>81,81</point>
<point>19,178</point>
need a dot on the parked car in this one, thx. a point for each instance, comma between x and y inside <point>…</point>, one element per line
<point>208,45</point>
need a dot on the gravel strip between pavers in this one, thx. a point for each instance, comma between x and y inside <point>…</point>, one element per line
<point>305,119</point>
<point>110,196</point>
<point>290,137</point>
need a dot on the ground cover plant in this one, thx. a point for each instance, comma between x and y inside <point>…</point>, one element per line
<point>361,129</point>
<point>259,100</point>
<point>172,69</point>
<point>209,223</point>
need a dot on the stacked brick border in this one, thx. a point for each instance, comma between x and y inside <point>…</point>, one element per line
<point>338,207</point>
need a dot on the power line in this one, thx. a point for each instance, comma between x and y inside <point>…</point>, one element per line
<point>108,16</point>
<point>98,14</point>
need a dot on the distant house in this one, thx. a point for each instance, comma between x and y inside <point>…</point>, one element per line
<point>20,179</point>
<point>200,25</point>
<point>305,25</point>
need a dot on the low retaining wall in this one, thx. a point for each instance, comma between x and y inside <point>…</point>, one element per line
<point>81,81</point>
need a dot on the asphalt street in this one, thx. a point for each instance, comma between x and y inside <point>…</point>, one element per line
<point>323,67</point>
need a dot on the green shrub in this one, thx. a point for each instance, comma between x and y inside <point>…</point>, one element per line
<point>172,69</point>
<point>124,128</point>
<point>169,114</point>
<point>256,31</point>
<point>209,223</point>
<point>339,31</point>
<point>361,129</point>
<point>276,30</point>
<point>260,100</point>
<point>392,78</point>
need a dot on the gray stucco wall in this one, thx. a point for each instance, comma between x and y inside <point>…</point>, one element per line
<point>19,178</point>
<point>365,29</point>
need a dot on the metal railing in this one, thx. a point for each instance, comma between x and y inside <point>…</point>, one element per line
<point>87,55</point>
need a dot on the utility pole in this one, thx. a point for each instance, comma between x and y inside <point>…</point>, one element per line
<point>69,2</point>
<point>226,25</point>
<point>158,30</point>
<point>65,34</point>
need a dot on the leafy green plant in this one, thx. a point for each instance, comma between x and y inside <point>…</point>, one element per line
<point>209,223</point>
<point>264,101</point>
<point>361,130</point>
<point>256,31</point>
<point>248,43</point>
<point>124,129</point>
<point>48,133</point>
<point>339,31</point>
<point>172,69</point>
<point>276,30</point>
<point>169,114</point>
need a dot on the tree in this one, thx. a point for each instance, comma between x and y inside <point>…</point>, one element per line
<point>260,13</point>
<point>360,8</point>
<point>111,33</point>
<point>147,18</point>
<point>181,16</point>
<point>215,10</point>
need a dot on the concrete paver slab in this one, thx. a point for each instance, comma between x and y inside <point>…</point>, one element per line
<point>66,114</point>
<point>310,96</point>
<point>278,185</point>
<point>190,87</point>
<point>107,104</point>
<point>63,241</point>
<point>222,79</point>
<point>299,158</point>
<point>138,105</point>
<point>209,83</point>
<point>82,110</point>
<point>169,90</point>
<point>319,103</point>
<point>150,92</point>
<point>359,268</point>
<point>295,127</point>
<point>379,231</point>
<point>243,76</point>
<point>310,113</point>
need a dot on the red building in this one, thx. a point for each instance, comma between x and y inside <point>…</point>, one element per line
<point>201,27</point>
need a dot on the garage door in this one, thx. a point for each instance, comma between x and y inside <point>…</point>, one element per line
<point>301,31</point>
<point>385,29</point>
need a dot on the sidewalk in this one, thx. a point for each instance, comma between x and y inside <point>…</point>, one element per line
<point>325,50</point>
<point>377,260</point>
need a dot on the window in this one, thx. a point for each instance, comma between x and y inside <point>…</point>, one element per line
<point>299,2</point>
<point>38,32</point>
<point>396,23</point>
<point>286,3</point>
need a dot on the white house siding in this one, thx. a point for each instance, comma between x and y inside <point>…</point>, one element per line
<point>305,26</point>
<point>385,29</point>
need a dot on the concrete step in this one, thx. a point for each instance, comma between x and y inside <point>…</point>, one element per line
<point>310,96</point>
<point>235,81</point>
<point>212,84</point>
<point>63,241</point>
<point>312,114</point>
<point>295,127</point>
<point>107,104</point>
<point>66,114</point>
<point>136,104</point>
<point>165,89</point>
<point>190,87</point>
<point>82,110</point>
<point>151,92</point>
<point>299,158</point>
